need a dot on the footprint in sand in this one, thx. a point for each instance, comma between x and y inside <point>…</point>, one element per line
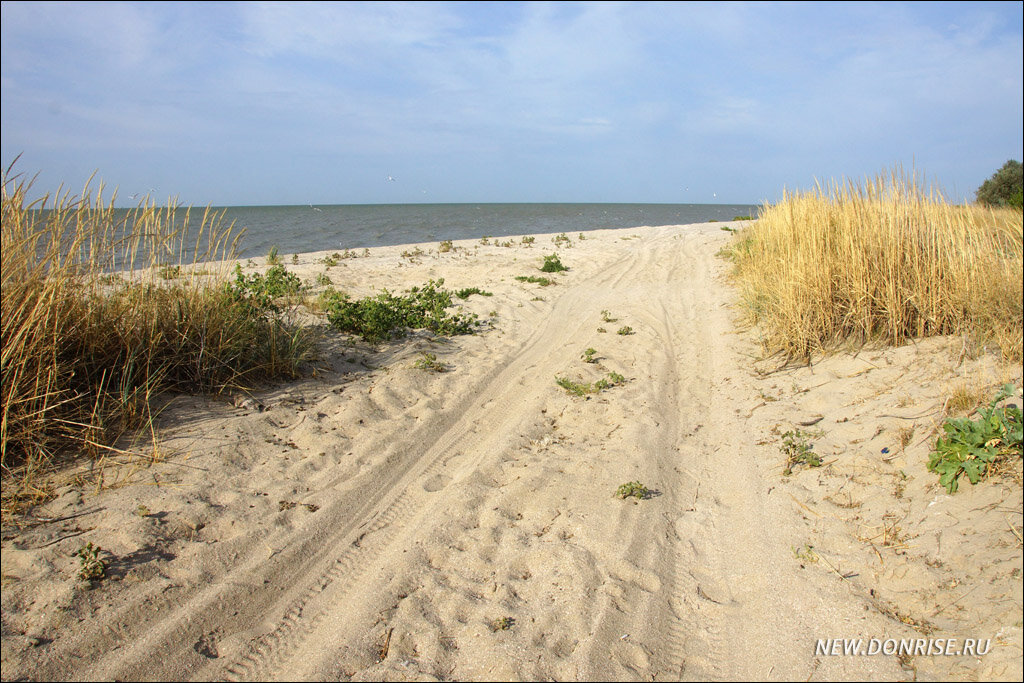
<point>436,483</point>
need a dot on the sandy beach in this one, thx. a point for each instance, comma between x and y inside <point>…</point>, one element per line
<point>378,520</point>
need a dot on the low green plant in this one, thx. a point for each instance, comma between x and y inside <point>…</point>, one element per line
<point>428,361</point>
<point>606,316</point>
<point>633,489</point>
<point>445,246</point>
<point>295,259</point>
<point>542,281</point>
<point>502,624</point>
<point>323,280</point>
<point>973,447</point>
<point>388,316</point>
<point>273,257</point>
<point>562,239</point>
<point>584,388</point>
<point>613,379</point>
<point>798,449</point>
<point>470,291</point>
<point>170,272</point>
<point>588,356</point>
<point>331,260</point>
<point>552,264</point>
<point>260,292</point>
<point>528,241</point>
<point>806,554</point>
<point>625,330</point>
<point>742,218</point>
<point>91,567</point>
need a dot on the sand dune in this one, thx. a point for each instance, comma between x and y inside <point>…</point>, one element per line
<point>381,521</point>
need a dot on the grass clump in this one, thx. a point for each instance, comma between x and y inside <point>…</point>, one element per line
<point>974,447</point>
<point>534,279</point>
<point>883,262</point>
<point>387,316</point>
<point>92,331</point>
<point>470,291</point>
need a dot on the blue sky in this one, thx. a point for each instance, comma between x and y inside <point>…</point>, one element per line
<point>237,104</point>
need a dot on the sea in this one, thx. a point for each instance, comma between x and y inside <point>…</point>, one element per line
<point>299,229</point>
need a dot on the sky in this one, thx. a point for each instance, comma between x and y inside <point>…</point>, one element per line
<point>322,103</point>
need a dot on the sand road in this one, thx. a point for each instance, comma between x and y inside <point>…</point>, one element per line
<point>402,524</point>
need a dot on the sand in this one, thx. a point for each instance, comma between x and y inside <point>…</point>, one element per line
<point>376,520</point>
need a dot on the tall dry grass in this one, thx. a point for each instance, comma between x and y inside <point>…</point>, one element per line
<point>100,315</point>
<point>884,262</point>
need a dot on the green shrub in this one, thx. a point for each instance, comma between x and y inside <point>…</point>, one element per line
<point>1005,187</point>
<point>260,291</point>
<point>552,264</point>
<point>387,316</point>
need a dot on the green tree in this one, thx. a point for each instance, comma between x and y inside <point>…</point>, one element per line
<point>1005,187</point>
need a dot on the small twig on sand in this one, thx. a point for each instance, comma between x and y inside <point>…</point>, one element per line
<point>387,645</point>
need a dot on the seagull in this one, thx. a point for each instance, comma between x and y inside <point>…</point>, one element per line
<point>391,178</point>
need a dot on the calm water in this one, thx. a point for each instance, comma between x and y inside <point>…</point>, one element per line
<point>297,229</point>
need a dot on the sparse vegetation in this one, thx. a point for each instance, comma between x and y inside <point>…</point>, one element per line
<point>273,257</point>
<point>90,566</point>
<point>445,246</point>
<point>584,388</point>
<point>798,449</point>
<point>588,356</point>
<point>470,291</point>
<point>534,279</point>
<point>625,330</point>
<point>428,361</point>
<point>502,624</point>
<point>633,489</point>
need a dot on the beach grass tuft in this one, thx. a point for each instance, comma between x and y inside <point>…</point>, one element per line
<point>886,261</point>
<point>100,314</point>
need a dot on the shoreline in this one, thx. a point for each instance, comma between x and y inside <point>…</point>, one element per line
<point>377,520</point>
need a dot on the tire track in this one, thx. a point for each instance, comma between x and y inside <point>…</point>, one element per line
<point>307,613</point>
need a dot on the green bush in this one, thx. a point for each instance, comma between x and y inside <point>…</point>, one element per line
<point>552,264</point>
<point>260,291</point>
<point>1005,187</point>
<point>387,316</point>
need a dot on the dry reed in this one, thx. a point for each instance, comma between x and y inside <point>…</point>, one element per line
<point>100,314</point>
<point>881,262</point>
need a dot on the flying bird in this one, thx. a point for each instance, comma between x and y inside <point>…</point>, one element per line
<point>391,178</point>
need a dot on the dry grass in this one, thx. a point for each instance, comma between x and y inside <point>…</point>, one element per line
<point>884,262</point>
<point>99,315</point>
